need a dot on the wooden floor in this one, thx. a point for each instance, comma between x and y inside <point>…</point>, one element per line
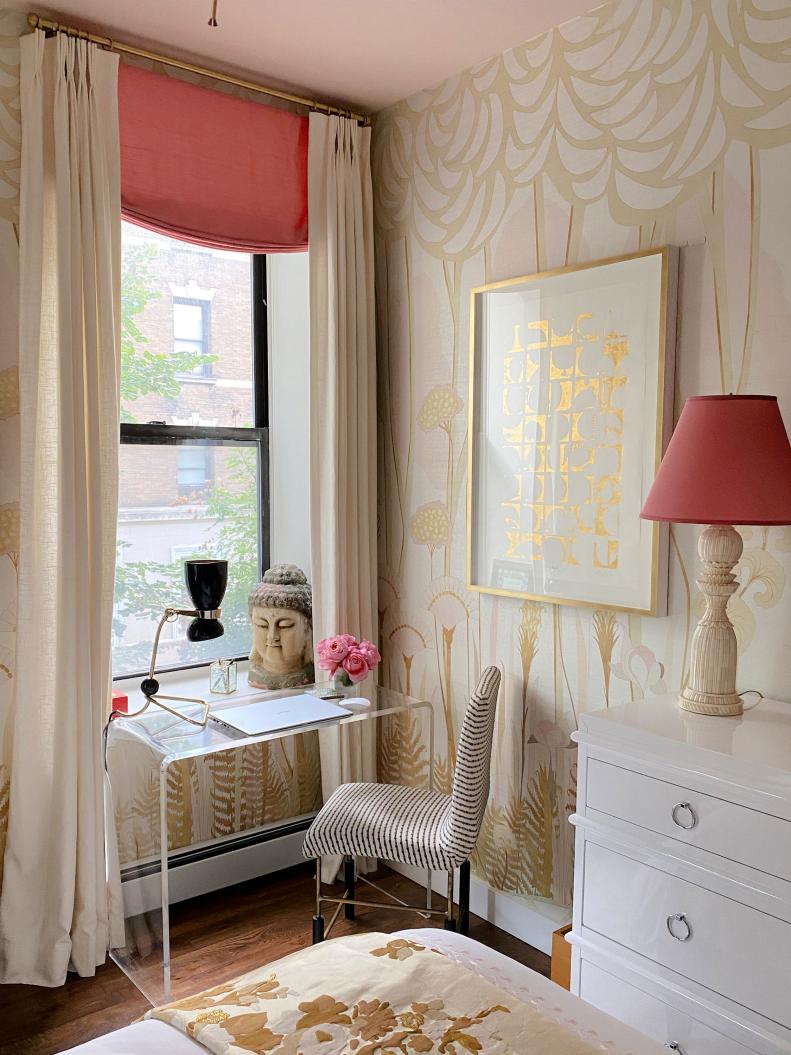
<point>214,937</point>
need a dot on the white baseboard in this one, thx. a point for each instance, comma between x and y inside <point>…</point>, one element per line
<point>190,879</point>
<point>530,919</point>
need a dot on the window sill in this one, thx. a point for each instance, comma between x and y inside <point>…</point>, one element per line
<point>192,681</point>
<point>192,379</point>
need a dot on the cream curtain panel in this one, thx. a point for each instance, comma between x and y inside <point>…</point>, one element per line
<point>54,912</point>
<point>343,413</point>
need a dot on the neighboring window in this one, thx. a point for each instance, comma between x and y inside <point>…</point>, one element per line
<point>193,458</point>
<point>191,335</point>
<point>194,471</point>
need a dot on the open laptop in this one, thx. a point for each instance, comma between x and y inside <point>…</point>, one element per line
<point>285,712</point>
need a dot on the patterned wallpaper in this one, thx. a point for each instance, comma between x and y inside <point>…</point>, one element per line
<point>645,123</point>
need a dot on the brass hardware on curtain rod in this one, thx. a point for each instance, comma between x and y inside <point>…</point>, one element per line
<point>37,22</point>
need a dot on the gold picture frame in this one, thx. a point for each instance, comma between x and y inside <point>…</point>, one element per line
<point>567,430</point>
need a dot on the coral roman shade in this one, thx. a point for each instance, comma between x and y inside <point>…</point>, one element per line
<point>211,168</point>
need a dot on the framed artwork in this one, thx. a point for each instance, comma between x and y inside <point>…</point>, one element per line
<point>571,397</point>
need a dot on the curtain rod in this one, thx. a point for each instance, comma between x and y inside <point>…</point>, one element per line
<point>37,22</point>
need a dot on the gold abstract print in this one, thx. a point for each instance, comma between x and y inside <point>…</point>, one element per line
<point>641,124</point>
<point>370,994</point>
<point>556,478</point>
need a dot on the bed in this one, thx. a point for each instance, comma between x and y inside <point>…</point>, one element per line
<point>602,1033</point>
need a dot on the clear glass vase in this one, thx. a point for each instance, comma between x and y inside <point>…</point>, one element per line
<point>222,676</point>
<point>340,688</point>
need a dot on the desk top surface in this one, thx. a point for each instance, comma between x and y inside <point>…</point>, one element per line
<point>173,738</point>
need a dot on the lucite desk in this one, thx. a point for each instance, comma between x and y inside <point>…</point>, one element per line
<point>145,955</point>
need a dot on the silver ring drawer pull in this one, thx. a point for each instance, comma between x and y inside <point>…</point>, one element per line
<point>684,808</point>
<point>678,927</point>
<point>675,1047</point>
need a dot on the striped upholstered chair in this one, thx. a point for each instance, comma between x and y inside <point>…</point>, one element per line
<point>413,826</point>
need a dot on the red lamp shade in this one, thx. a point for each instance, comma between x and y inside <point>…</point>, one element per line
<point>728,462</point>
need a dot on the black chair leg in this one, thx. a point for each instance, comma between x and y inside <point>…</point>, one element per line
<point>318,919</point>
<point>318,929</point>
<point>464,898</point>
<point>349,879</point>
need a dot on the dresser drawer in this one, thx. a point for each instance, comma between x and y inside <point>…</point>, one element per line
<point>739,952</point>
<point>722,827</point>
<point>651,1016</point>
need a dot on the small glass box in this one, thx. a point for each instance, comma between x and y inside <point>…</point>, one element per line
<point>222,676</point>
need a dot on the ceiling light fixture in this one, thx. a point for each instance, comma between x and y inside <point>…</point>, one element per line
<point>213,16</point>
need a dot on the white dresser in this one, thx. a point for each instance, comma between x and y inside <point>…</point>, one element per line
<point>682,885</point>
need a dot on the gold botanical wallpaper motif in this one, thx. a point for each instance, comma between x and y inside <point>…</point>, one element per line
<point>210,798</point>
<point>641,124</point>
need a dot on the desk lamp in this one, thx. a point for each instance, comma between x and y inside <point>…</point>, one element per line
<point>728,462</point>
<point>206,582</point>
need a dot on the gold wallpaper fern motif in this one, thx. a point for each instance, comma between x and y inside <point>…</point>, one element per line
<point>644,123</point>
<point>210,798</point>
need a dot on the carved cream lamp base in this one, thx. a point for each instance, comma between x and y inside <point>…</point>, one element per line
<point>711,688</point>
<point>727,706</point>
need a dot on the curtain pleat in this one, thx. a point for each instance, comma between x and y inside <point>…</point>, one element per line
<point>55,906</point>
<point>343,415</point>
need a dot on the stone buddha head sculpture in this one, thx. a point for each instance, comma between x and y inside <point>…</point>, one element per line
<point>280,611</point>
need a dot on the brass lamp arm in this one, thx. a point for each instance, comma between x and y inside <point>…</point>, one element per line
<point>167,617</point>
<point>150,686</point>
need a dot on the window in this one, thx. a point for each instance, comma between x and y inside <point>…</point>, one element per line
<point>194,457</point>
<point>194,470</point>
<point>191,334</point>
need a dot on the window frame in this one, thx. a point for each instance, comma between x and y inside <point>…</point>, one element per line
<point>206,372</point>
<point>159,434</point>
<point>207,466</point>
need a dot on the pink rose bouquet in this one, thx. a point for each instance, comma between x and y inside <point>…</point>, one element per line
<point>348,660</point>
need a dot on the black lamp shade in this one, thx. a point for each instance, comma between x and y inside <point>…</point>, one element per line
<point>206,582</point>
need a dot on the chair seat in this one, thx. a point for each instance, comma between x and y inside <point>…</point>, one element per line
<point>387,821</point>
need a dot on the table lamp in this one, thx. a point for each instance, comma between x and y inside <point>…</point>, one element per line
<point>728,462</point>
<point>206,581</point>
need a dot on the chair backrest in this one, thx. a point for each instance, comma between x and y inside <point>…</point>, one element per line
<point>471,777</point>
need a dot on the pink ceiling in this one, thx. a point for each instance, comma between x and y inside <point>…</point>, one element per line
<point>361,53</point>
